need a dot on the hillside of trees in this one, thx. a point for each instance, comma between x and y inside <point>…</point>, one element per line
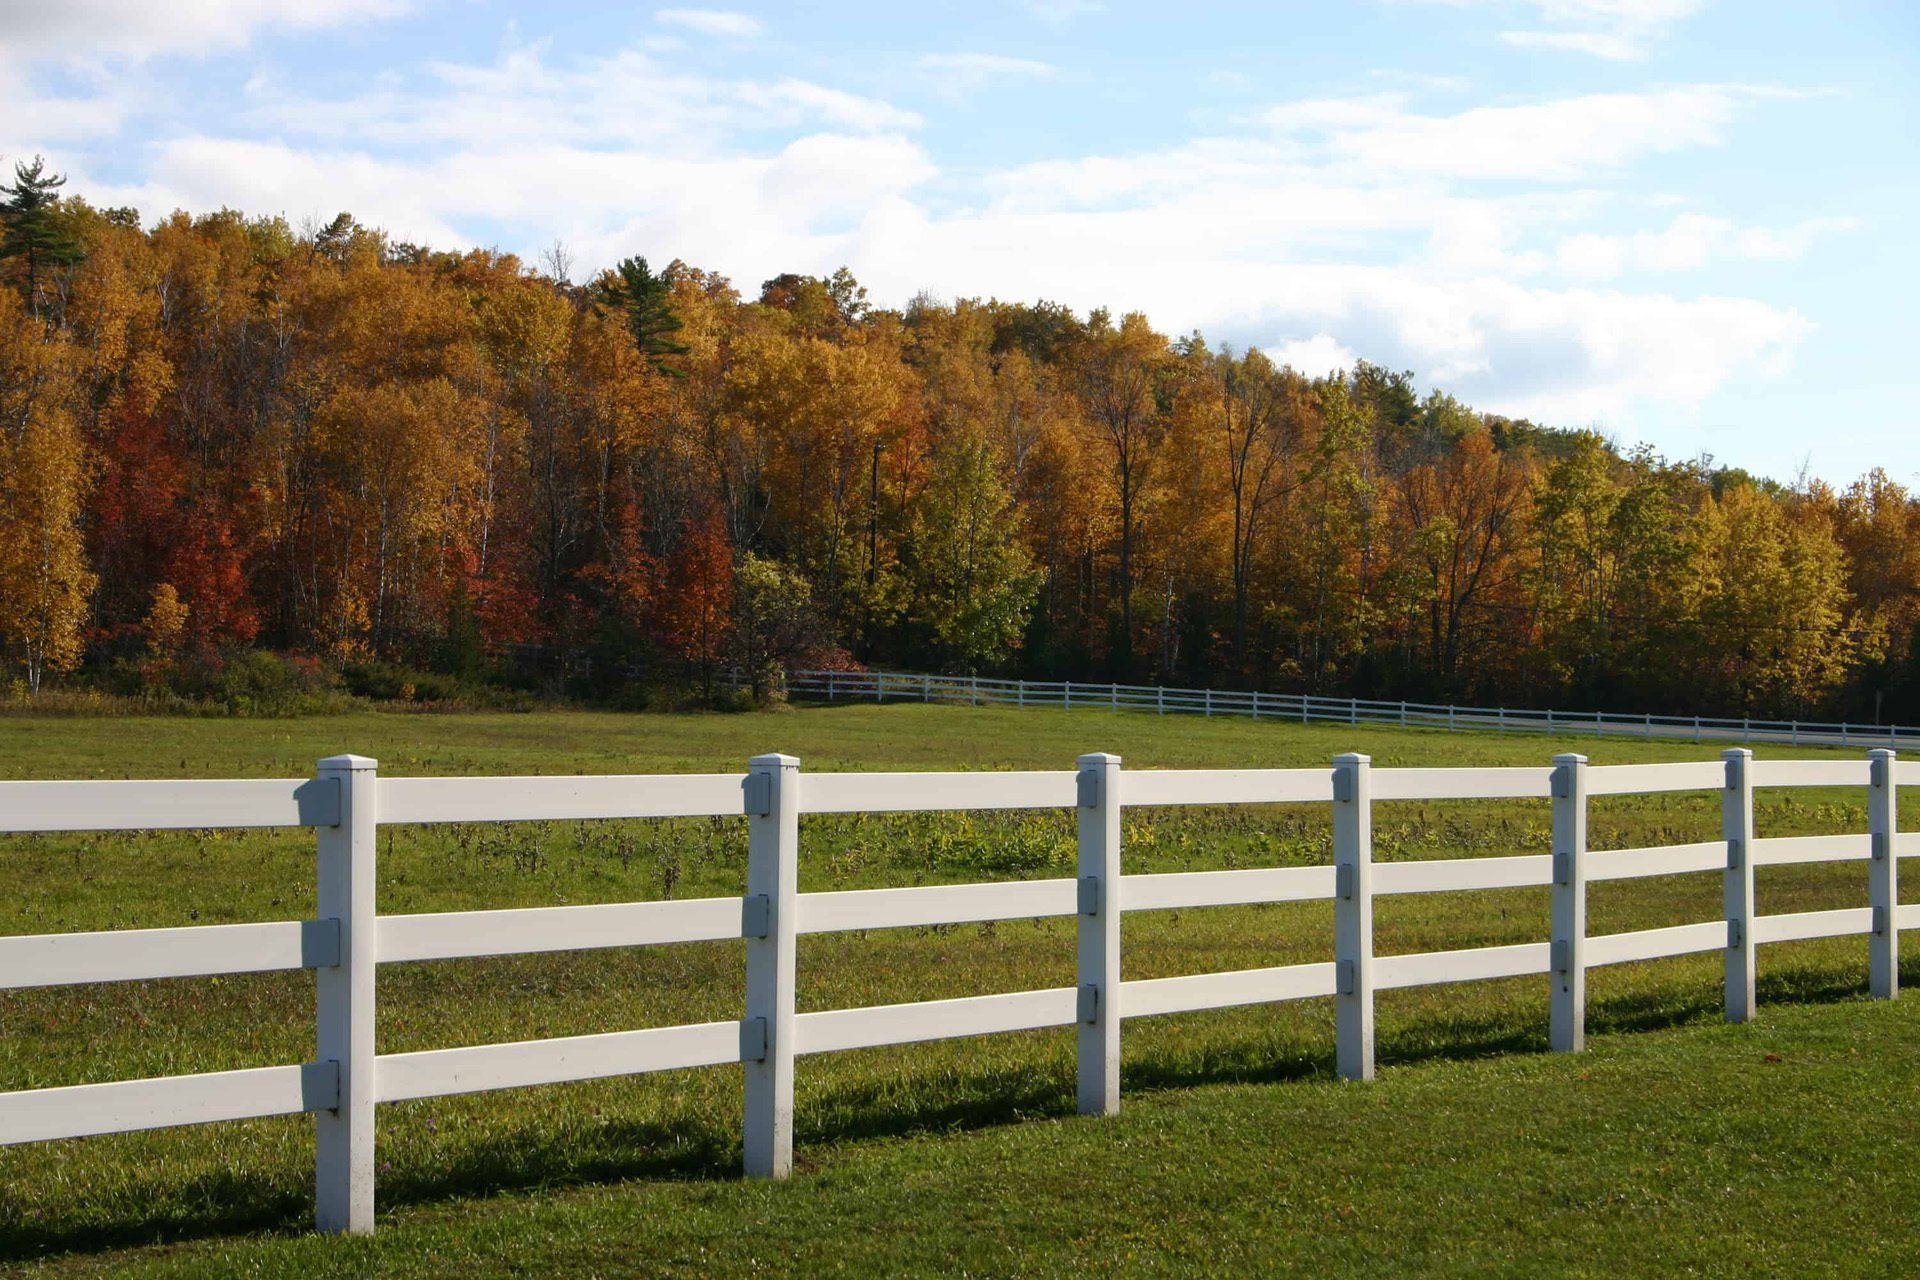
<point>221,436</point>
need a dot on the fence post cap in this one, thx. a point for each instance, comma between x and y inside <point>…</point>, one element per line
<point>347,763</point>
<point>1737,753</point>
<point>1094,759</point>
<point>1888,752</point>
<point>774,760</point>
<point>1569,757</point>
<point>1352,758</point>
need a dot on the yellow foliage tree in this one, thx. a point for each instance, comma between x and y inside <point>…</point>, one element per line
<point>1773,602</point>
<point>45,583</point>
<point>166,621</point>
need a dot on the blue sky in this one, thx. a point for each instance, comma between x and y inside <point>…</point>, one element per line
<point>1685,222</point>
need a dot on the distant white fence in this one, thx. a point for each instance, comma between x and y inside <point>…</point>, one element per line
<point>898,686</point>
<point>346,802</point>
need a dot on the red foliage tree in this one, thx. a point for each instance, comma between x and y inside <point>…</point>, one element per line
<point>695,606</point>
<point>151,528</point>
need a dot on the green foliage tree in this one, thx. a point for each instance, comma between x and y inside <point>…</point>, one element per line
<point>31,225</point>
<point>1332,560</point>
<point>849,296</point>
<point>336,238</point>
<point>645,297</point>
<point>973,583</point>
<point>774,624</point>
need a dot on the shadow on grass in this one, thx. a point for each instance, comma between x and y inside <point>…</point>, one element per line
<point>221,1203</point>
<point>229,1202</point>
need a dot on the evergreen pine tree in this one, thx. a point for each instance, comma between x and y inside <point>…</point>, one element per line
<point>30,225</point>
<point>647,299</point>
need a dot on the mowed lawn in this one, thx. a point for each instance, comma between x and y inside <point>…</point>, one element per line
<point>1788,1146</point>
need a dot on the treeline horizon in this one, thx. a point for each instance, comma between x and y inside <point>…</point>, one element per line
<point>220,435</point>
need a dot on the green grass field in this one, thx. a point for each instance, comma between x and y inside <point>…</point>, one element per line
<point>1676,1145</point>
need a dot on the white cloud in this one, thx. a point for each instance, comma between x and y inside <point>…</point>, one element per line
<point>1610,45</point>
<point>1789,242</point>
<point>828,175</point>
<point>1058,11</point>
<point>834,105</point>
<point>1616,30</point>
<point>1314,357</point>
<point>1645,12</point>
<point>33,121</point>
<point>1689,242</point>
<point>1423,79</point>
<point>711,22</point>
<point>1583,356</point>
<point>1559,139</point>
<point>625,99</point>
<point>1560,354</point>
<point>87,29</point>
<point>1342,148</point>
<point>1354,225</point>
<point>1305,115</point>
<point>768,210</point>
<point>964,73</point>
<point>205,173</point>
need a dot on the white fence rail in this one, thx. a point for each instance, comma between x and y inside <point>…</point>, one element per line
<point>347,801</point>
<point>981,691</point>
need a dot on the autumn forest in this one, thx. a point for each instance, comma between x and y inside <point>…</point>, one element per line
<point>223,438</point>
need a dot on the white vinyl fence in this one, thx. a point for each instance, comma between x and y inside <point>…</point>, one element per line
<point>346,802</point>
<point>983,691</point>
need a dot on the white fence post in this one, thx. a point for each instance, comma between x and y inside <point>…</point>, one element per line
<point>773,866</point>
<point>1883,876</point>
<point>1569,1022</point>
<point>1736,824</point>
<point>1099,970</point>
<point>1353,914</point>
<point>344,993</point>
